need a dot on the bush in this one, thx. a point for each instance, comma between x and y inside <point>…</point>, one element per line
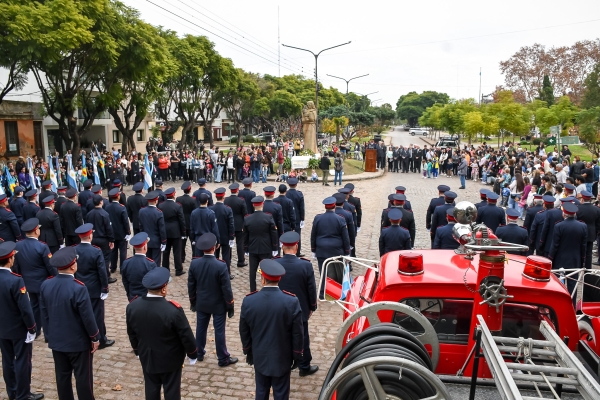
<point>523,142</point>
<point>287,163</point>
<point>249,139</point>
<point>307,152</point>
<point>233,139</point>
<point>536,141</point>
<point>313,163</point>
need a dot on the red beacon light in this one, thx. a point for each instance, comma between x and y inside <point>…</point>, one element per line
<point>537,269</point>
<point>410,264</point>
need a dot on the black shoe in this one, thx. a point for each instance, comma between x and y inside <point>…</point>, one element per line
<point>179,273</point>
<point>200,358</point>
<point>36,396</point>
<point>231,360</point>
<point>596,263</point>
<point>231,277</point>
<point>112,280</point>
<point>462,187</point>
<point>300,255</point>
<point>113,270</point>
<point>311,370</point>
<point>108,343</point>
<point>242,265</point>
<point>327,184</point>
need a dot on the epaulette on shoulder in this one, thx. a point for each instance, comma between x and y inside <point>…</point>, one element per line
<point>247,215</point>
<point>523,227</point>
<point>178,202</point>
<point>134,299</point>
<point>128,258</point>
<point>50,277</point>
<point>305,259</point>
<point>193,258</point>
<point>266,212</point>
<point>96,247</point>
<point>149,259</point>
<point>256,291</point>
<point>288,293</point>
<point>74,245</point>
<point>223,261</point>
<point>158,209</point>
<point>404,228</point>
<point>357,198</point>
<point>42,242</point>
<point>541,211</point>
<point>385,227</point>
<point>341,216</point>
<point>8,209</point>
<point>276,257</point>
<point>78,281</point>
<point>176,304</point>
<point>410,211</point>
<point>55,212</point>
<point>15,274</point>
<point>121,204</point>
<point>227,206</point>
<point>559,221</point>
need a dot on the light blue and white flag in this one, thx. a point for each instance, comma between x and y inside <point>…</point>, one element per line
<point>52,174</point>
<point>95,169</point>
<point>71,175</point>
<point>31,174</point>
<point>148,167</point>
<point>346,282</point>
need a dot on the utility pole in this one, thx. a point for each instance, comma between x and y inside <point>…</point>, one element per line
<point>278,44</point>
<point>347,80</point>
<point>479,86</point>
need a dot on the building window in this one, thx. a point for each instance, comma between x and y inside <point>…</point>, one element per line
<point>140,135</point>
<point>116,137</point>
<point>12,138</point>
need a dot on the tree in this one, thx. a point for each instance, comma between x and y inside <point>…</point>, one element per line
<point>431,118</point>
<point>285,111</point>
<point>239,102</point>
<point>589,129</point>
<point>591,94</point>
<point>340,123</point>
<point>327,126</point>
<point>547,92</point>
<point>473,124</point>
<point>165,101</point>
<point>452,115</point>
<point>412,105</point>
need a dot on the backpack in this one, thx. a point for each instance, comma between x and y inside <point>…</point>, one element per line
<point>338,164</point>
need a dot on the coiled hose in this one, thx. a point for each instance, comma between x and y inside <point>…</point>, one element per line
<point>385,339</point>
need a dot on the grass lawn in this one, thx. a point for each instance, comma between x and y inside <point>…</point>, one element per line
<point>576,150</point>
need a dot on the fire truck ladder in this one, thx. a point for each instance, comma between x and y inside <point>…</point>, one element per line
<point>557,365</point>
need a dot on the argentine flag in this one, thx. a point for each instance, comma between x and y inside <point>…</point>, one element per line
<point>11,182</point>
<point>95,169</point>
<point>148,167</point>
<point>31,175</point>
<point>84,175</point>
<point>346,281</point>
<point>52,174</point>
<point>71,175</point>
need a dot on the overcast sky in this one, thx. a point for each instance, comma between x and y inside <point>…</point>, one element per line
<point>403,46</point>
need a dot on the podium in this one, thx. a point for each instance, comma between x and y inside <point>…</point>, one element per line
<point>371,160</point>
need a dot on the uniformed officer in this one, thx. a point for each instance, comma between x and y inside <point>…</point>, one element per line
<point>537,206</point>
<point>273,208</point>
<point>152,222</point>
<point>513,233</point>
<point>72,332</point>
<point>394,237</point>
<point>552,216</point>
<point>589,214</point>
<point>92,272</point>
<point>9,228</point>
<point>271,332</point>
<point>247,194</point>
<point>298,198</point>
<point>340,199</point>
<point>569,191</point>
<point>30,209</point>
<point>121,229</point>
<point>104,236</point>
<point>158,184</point>
<point>402,190</point>
<point>433,204</point>
<point>535,233</point>
<point>188,205</point>
<point>355,201</point>
<point>443,234</point>
<point>438,217</point>
<point>122,196</point>
<point>32,261</point>
<point>408,219</point>
<point>45,192</point>
<point>61,192</point>
<point>239,210</point>
<point>17,330</point>
<point>50,230</point>
<point>70,218</point>
<point>202,190</point>
<point>203,220</point>
<point>17,203</point>
<point>569,241</point>
<point>96,190</point>
<point>260,238</point>
<point>349,207</point>
<point>287,209</point>
<point>226,226</point>
<point>491,215</point>
<point>299,279</point>
<point>175,229</point>
<point>136,267</point>
<point>160,336</point>
<point>210,294</point>
<point>483,192</point>
<point>84,196</point>
<point>329,237</point>
<point>134,204</point>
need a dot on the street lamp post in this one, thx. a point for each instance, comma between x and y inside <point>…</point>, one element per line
<point>347,80</point>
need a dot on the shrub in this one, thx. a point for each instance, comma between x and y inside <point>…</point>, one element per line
<point>536,141</point>
<point>523,142</point>
<point>313,163</point>
<point>233,139</point>
<point>287,163</point>
<point>307,152</point>
<point>249,139</point>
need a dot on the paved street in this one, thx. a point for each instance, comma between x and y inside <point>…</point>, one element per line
<point>117,372</point>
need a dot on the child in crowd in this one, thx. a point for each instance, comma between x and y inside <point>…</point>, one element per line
<point>425,168</point>
<point>474,169</point>
<point>314,177</point>
<point>292,174</point>
<point>505,194</point>
<point>246,170</point>
<point>434,167</point>
<point>282,177</point>
<point>302,177</point>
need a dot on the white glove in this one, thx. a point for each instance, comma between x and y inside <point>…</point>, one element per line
<point>193,361</point>
<point>351,247</point>
<point>275,253</point>
<point>358,229</point>
<point>193,243</point>
<point>314,256</point>
<point>30,337</point>
<point>247,254</point>
<point>301,224</point>
<point>128,237</point>
<point>62,246</point>
<point>163,247</point>
<point>280,245</point>
<point>183,238</point>
<point>103,296</point>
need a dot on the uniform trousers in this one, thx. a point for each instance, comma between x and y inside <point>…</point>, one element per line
<point>98,308</point>
<point>202,320</point>
<point>34,299</point>
<point>54,249</point>
<point>71,240</point>
<point>103,244</point>
<point>299,232</point>
<point>306,355</point>
<point>175,244</point>
<point>136,230</point>
<point>170,381</point>
<point>184,243</point>
<point>280,385</point>
<point>79,364</point>
<point>120,248</point>
<point>154,254</point>
<point>224,253</point>
<point>254,260</point>
<point>588,255</point>
<point>16,367</point>
<point>239,244</point>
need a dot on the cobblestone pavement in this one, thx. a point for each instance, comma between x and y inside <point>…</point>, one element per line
<point>117,372</point>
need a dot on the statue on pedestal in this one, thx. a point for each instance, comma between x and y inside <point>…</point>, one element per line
<point>309,129</point>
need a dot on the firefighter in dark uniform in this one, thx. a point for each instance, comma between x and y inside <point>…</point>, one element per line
<point>408,219</point>
<point>569,191</point>
<point>158,184</point>
<point>152,222</point>
<point>17,330</point>
<point>70,218</point>
<point>329,237</point>
<point>61,199</point>
<point>287,209</point>
<point>33,263</point>
<point>340,198</point>
<point>92,272</point>
<point>349,207</point>
<point>122,196</point>
<point>45,192</point>
<point>209,289</point>
<point>271,332</point>
<point>202,189</point>
<point>96,190</point>
<point>513,233</point>
<point>72,332</point>
<point>589,214</point>
<point>355,201</point>
<point>50,230</point>
<point>535,233</point>
<point>247,194</point>
<point>134,204</point>
<point>402,190</point>
<point>394,237</point>
<point>9,227</point>
<point>87,194</point>
<point>491,215</point>
<point>551,217</point>
<point>161,336</point>
<point>433,204</point>
<point>104,236</point>
<point>175,229</point>
<point>121,229</point>
<point>443,235</point>
<point>203,220</point>
<point>438,218</point>
<point>298,198</point>
<point>273,208</point>
<point>569,241</point>
<point>483,192</point>
<point>260,238</point>
<point>188,205</point>
<point>299,279</point>
<point>17,203</point>
<point>136,267</point>
<point>239,210</point>
<point>537,206</point>
<point>30,209</point>
<point>226,226</point>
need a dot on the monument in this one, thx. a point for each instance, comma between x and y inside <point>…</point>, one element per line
<point>309,127</point>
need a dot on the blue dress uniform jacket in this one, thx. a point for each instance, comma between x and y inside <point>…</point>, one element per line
<point>67,314</point>
<point>225,222</point>
<point>188,205</point>
<point>352,210</point>
<point>492,216</point>
<point>197,194</point>
<point>552,216</point>
<point>535,233</point>
<point>349,223</point>
<point>408,222</point>
<point>91,269</point>
<point>288,213</point>
<point>329,236</point>
<point>438,201</point>
<point>513,233</point>
<point>132,272</point>
<point>71,218</point>
<point>277,213</point>
<point>239,210</point>
<point>209,286</point>
<point>298,198</point>
<point>102,226</point>
<point>444,239</point>
<point>247,195</point>
<point>568,246</point>
<point>83,198</point>
<point>15,311</point>
<point>260,233</point>
<point>119,220</point>
<point>152,222</point>
<point>299,279</point>
<point>134,204</point>
<point>16,207</point>
<point>271,329</point>
<point>203,220</point>
<point>530,216</point>
<point>30,210</point>
<point>33,262</point>
<point>589,214</point>
<point>355,201</point>
<point>9,227</point>
<point>439,217</point>
<point>482,203</point>
<point>393,238</point>
<point>50,230</point>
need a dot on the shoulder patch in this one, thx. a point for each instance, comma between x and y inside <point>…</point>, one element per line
<point>176,304</point>
<point>288,293</point>
<point>256,291</point>
<point>15,274</point>
<point>78,281</point>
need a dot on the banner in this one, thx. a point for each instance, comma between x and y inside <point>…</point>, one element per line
<point>84,174</point>
<point>31,174</point>
<point>148,168</point>
<point>52,174</point>
<point>71,175</point>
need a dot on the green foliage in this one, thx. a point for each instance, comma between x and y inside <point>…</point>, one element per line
<point>589,128</point>
<point>284,104</point>
<point>591,94</point>
<point>307,152</point>
<point>547,91</point>
<point>287,163</point>
<point>313,163</point>
<point>249,139</point>
<point>412,105</point>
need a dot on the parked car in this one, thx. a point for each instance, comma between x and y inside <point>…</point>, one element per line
<point>418,131</point>
<point>448,141</point>
<point>264,136</point>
